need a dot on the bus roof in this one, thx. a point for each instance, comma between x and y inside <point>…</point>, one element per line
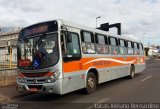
<point>79,26</point>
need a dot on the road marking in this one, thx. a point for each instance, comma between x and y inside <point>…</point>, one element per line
<point>103,100</point>
<point>157,59</point>
<point>100,101</point>
<point>146,78</point>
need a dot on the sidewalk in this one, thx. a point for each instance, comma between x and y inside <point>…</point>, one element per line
<point>7,77</point>
<point>8,92</point>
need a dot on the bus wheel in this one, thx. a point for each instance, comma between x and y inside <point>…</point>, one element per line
<point>132,72</point>
<point>91,83</point>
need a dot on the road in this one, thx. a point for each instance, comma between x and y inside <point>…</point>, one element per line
<point>144,88</point>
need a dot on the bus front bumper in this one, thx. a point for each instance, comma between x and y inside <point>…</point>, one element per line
<point>54,87</point>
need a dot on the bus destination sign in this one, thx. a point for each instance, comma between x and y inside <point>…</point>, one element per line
<point>40,28</point>
<point>37,30</point>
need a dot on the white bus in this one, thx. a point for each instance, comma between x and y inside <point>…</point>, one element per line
<point>60,57</point>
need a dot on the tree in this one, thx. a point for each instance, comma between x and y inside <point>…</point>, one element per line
<point>158,47</point>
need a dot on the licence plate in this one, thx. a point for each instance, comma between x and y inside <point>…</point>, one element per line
<point>33,89</point>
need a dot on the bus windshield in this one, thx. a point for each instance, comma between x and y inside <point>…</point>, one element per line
<point>38,52</point>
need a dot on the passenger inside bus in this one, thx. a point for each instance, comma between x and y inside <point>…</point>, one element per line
<point>114,50</point>
<point>42,50</point>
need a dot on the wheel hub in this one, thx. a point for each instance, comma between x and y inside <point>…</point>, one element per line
<point>91,82</point>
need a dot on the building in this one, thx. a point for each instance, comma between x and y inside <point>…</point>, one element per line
<point>7,40</point>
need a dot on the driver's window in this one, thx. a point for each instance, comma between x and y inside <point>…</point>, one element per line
<point>72,47</point>
<point>72,44</point>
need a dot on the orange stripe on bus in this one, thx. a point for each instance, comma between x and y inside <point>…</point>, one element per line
<point>86,63</point>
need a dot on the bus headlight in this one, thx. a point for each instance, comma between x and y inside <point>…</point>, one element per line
<point>53,77</point>
<point>21,80</point>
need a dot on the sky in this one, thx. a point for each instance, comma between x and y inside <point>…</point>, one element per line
<point>140,19</point>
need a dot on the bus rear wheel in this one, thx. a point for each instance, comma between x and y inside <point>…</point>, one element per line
<point>132,72</point>
<point>91,83</point>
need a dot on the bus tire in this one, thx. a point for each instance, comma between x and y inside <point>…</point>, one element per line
<point>91,83</point>
<point>132,72</point>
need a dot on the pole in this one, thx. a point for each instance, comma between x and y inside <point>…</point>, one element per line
<point>97,19</point>
<point>10,64</point>
<point>96,22</point>
<point>143,40</point>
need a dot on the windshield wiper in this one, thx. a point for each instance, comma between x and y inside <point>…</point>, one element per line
<point>40,39</point>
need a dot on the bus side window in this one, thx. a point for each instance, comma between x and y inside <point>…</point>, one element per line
<point>88,46</point>
<point>101,44</point>
<point>113,48</point>
<point>130,48</point>
<point>136,48</point>
<point>123,49</point>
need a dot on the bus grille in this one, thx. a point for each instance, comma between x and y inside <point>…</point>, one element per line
<point>35,74</point>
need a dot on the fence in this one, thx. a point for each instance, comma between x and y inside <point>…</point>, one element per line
<point>8,60</point>
<point>7,77</point>
<point>7,66</point>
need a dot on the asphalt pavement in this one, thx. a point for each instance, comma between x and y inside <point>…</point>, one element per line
<point>144,88</point>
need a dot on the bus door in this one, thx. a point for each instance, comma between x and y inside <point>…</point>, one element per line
<point>72,66</point>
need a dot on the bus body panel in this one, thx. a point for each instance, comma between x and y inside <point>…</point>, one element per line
<point>73,82</point>
<point>74,71</point>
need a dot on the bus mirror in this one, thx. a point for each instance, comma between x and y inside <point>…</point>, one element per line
<point>62,33</point>
<point>69,38</point>
<point>63,41</point>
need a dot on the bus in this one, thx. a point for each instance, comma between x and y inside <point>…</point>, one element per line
<point>59,57</point>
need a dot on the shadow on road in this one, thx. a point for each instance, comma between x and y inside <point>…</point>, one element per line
<point>70,97</point>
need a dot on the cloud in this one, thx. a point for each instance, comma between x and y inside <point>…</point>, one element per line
<point>136,16</point>
<point>21,5</point>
